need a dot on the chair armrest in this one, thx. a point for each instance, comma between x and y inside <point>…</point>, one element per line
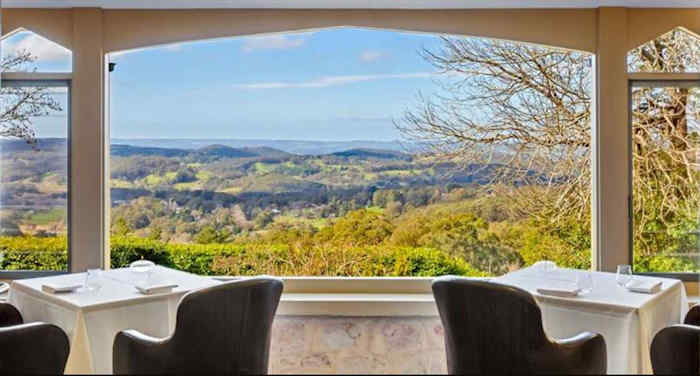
<point>134,352</point>
<point>584,353</point>
<point>675,350</point>
<point>9,315</point>
<point>693,316</point>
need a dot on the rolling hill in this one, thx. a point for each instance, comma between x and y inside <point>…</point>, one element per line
<point>373,154</point>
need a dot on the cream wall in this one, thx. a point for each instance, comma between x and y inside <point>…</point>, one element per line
<point>607,32</point>
<point>127,29</point>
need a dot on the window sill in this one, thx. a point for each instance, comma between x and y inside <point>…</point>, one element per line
<point>353,285</point>
<point>355,296</point>
<point>357,304</point>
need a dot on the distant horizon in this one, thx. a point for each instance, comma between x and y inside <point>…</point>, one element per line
<point>301,147</point>
<point>220,138</point>
<point>249,139</point>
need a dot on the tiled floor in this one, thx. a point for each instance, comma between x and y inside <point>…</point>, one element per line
<point>320,344</point>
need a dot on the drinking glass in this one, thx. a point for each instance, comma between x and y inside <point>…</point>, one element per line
<point>624,275</point>
<point>92,280</point>
<point>545,266</point>
<point>584,282</point>
<point>142,270</point>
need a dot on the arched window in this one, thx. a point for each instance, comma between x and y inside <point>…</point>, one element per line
<point>34,149</point>
<point>677,51</point>
<point>25,51</point>
<point>665,154</point>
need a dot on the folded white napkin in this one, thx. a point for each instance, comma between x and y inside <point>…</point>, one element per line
<point>562,292</point>
<point>148,289</point>
<point>644,286</point>
<point>55,288</point>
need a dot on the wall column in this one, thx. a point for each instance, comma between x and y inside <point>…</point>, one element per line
<point>611,172</point>
<point>87,142</point>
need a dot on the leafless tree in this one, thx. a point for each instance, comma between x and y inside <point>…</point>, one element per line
<point>525,110</point>
<point>665,125</point>
<point>19,105</point>
<point>521,108</point>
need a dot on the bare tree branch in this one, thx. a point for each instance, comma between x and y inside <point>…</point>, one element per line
<point>18,106</point>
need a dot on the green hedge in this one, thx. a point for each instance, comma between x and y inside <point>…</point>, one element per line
<point>31,253</point>
<point>244,259</point>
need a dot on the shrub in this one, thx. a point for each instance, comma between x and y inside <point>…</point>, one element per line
<point>244,259</point>
<point>663,263</point>
<point>354,261</point>
<point>538,244</point>
<point>361,227</point>
<point>33,253</point>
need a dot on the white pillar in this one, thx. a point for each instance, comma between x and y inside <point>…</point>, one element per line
<point>87,142</point>
<point>611,167</point>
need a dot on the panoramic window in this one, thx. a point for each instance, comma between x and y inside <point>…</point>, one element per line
<point>34,156</point>
<point>665,149</point>
<point>350,152</point>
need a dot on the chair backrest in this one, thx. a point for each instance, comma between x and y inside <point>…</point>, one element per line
<point>675,350</point>
<point>490,328</point>
<point>227,328</point>
<point>35,348</point>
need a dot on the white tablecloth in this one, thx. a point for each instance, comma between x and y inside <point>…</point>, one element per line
<point>92,319</point>
<point>627,321</point>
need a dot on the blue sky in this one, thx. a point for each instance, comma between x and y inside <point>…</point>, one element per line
<point>332,84</point>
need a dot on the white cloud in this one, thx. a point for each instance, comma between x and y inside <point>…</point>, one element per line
<point>274,42</point>
<point>369,56</point>
<point>332,81</point>
<point>43,49</point>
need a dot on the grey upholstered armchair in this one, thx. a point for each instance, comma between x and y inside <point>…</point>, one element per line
<point>675,350</point>
<point>492,329</point>
<point>221,329</point>
<point>35,348</point>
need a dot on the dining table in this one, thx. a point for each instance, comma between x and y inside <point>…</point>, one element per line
<point>92,318</point>
<point>627,320</point>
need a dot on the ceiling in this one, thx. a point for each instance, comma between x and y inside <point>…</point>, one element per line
<point>347,4</point>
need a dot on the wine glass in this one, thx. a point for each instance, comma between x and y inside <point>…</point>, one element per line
<point>624,275</point>
<point>584,282</point>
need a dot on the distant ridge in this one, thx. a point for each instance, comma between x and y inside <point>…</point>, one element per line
<point>10,145</point>
<point>213,151</point>
<point>223,151</point>
<point>299,147</point>
<point>223,148</point>
<point>129,150</point>
<point>373,153</point>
